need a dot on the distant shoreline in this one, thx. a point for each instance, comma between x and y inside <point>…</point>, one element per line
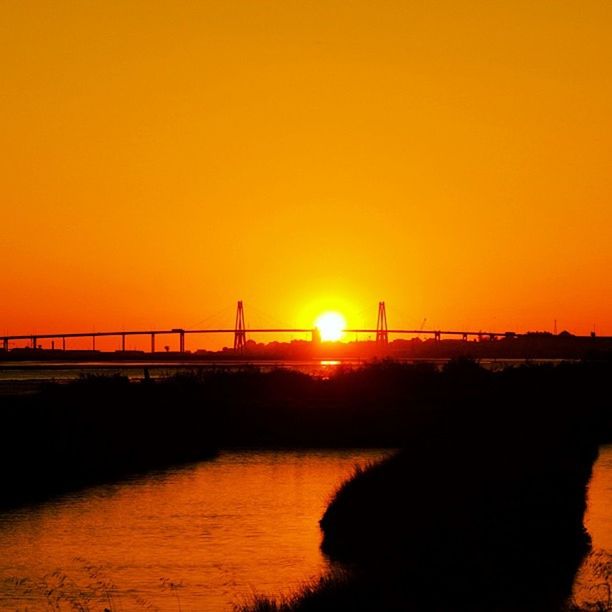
<point>532,345</point>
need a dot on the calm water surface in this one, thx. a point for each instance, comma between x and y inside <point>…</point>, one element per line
<point>64,371</point>
<point>202,537</point>
<point>598,521</point>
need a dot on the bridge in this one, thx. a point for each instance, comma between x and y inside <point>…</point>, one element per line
<point>240,333</point>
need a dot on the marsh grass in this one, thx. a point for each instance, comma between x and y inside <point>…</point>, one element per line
<point>340,588</point>
<point>315,594</point>
<point>593,592</point>
<point>88,588</point>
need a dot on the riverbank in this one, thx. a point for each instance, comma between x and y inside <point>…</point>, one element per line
<point>512,538</point>
<point>102,428</point>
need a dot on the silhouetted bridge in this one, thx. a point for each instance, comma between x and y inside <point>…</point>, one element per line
<point>240,333</point>
<point>181,333</point>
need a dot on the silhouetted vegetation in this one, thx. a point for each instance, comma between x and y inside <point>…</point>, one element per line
<point>101,428</point>
<point>87,589</point>
<point>94,430</point>
<point>479,510</point>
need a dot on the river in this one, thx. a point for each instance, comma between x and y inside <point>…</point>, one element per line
<point>202,537</point>
<point>595,578</point>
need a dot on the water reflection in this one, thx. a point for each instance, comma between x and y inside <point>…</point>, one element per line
<point>590,584</point>
<point>200,538</point>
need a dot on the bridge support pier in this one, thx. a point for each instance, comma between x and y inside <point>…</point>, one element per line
<point>5,344</point>
<point>63,343</point>
<point>93,343</point>
<point>239,329</point>
<point>437,336</point>
<point>34,341</point>
<point>123,343</point>
<point>182,341</point>
<point>465,337</point>
<point>152,343</point>
<point>382,335</point>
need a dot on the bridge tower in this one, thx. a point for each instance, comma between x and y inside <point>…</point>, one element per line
<point>239,329</point>
<point>382,335</point>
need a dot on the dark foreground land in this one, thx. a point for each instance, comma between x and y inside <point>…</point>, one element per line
<point>481,510</point>
<point>458,521</point>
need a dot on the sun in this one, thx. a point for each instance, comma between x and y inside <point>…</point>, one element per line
<point>330,325</point>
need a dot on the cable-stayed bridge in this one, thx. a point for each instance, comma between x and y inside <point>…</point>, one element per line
<point>240,332</point>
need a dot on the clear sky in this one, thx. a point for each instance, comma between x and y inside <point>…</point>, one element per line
<point>161,159</point>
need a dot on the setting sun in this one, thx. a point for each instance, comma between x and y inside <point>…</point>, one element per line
<point>330,325</point>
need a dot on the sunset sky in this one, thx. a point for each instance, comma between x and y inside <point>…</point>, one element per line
<point>160,160</point>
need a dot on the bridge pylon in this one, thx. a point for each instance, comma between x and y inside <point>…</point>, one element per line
<point>239,329</point>
<point>382,335</point>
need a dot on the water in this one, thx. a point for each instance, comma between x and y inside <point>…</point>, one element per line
<point>27,376</point>
<point>599,515</point>
<point>203,537</point>
<point>591,585</point>
<point>21,377</point>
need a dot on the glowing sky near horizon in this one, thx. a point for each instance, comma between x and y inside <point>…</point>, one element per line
<point>160,160</point>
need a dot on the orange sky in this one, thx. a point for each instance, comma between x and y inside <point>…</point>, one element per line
<point>161,159</point>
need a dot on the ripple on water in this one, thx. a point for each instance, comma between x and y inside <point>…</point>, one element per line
<point>205,536</point>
